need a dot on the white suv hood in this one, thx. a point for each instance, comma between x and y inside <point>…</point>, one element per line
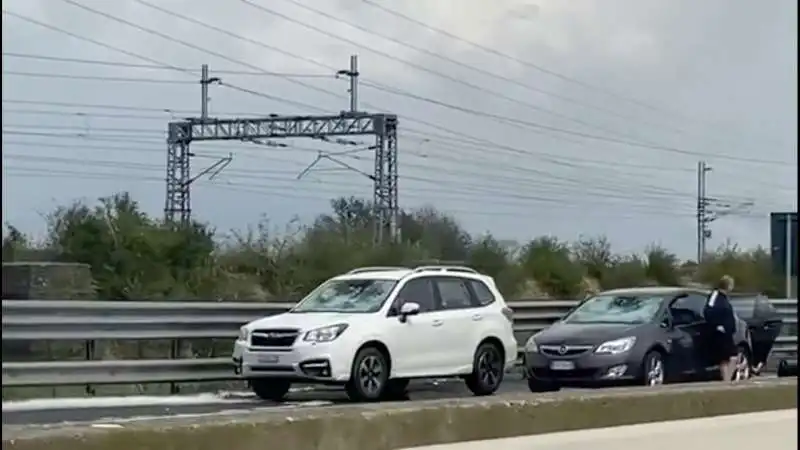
<point>303,321</point>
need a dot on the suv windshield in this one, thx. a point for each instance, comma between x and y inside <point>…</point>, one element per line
<point>347,296</point>
<point>625,309</point>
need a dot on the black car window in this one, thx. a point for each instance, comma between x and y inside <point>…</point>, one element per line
<point>688,309</point>
<point>694,302</point>
<point>454,293</point>
<point>482,292</point>
<point>420,291</point>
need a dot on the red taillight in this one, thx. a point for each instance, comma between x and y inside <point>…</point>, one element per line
<point>508,313</point>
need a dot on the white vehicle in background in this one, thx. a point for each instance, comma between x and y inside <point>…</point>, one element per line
<point>373,329</point>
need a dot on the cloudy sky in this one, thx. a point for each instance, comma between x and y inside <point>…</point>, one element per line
<point>519,117</point>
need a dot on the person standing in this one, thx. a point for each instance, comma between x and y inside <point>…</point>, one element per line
<point>721,319</point>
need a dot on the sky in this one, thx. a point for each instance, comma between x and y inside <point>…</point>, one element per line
<point>518,117</point>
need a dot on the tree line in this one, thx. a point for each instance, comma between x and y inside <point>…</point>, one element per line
<point>133,255</point>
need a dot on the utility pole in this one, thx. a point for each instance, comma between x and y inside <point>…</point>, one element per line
<point>789,257</point>
<point>205,80</point>
<point>352,74</point>
<point>704,217</point>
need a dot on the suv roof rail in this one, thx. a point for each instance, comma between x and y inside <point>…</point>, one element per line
<point>375,269</point>
<point>445,268</point>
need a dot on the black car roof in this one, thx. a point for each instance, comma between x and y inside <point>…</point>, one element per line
<point>655,290</point>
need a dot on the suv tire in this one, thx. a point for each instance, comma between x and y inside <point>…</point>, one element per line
<point>369,376</point>
<point>488,369</point>
<point>270,389</point>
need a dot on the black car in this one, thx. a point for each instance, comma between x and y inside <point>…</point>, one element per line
<point>642,336</point>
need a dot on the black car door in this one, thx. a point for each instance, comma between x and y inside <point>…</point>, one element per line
<point>689,329</point>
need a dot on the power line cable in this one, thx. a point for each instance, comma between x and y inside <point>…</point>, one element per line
<point>444,193</point>
<point>423,68</point>
<point>151,60</point>
<point>489,73</point>
<point>164,36</point>
<point>457,80</point>
<point>95,77</point>
<point>524,211</point>
<point>100,62</point>
<point>568,131</point>
<point>537,67</point>
<point>195,47</point>
<point>440,127</point>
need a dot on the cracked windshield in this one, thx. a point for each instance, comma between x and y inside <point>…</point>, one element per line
<point>616,309</point>
<point>349,296</point>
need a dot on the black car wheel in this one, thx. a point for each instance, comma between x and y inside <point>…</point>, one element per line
<point>488,369</point>
<point>742,364</point>
<point>270,388</point>
<point>369,376</point>
<point>653,369</point>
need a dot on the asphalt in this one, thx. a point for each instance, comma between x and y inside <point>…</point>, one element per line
<point>422,390</point>
<point>125,410</point>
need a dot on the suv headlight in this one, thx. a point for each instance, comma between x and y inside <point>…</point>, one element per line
<point>325,334</point>
<point>616,346</point>
<point>244,334</point>
<point>530,346</point>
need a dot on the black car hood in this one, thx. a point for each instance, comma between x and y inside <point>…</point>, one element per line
<point>584,333</point>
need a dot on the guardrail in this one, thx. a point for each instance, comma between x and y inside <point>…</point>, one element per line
<point>85,322</point>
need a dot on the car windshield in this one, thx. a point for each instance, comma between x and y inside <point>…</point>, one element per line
<point>347,296</point>
<point>624,309</point>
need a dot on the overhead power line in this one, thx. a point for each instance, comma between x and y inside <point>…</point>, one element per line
<point>492,74</point>
<point>537,67</point>
<point>416,185</point>
<point>540,127</point>
<point>101,62</point>
<point>627,142</point>
<point>155,61</point>
<point>524,152</point>
<point>94,77</point>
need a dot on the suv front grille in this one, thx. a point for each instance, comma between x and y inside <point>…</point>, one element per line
<point>274,337</point>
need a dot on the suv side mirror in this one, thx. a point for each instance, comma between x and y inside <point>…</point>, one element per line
<point>408,309</point>
<point>666,323</point>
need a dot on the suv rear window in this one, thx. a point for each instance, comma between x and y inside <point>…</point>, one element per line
<point>482,292</point>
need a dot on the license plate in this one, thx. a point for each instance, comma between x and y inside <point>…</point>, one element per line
<point>268,359</point>
<point>562,365</point>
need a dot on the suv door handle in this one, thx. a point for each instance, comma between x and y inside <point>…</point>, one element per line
<point>477,317</point>
<point>437,323</point>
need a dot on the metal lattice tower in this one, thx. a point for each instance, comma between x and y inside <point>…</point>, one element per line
<point>180,135</point>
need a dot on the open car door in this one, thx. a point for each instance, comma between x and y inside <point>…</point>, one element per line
<point>763,322</point>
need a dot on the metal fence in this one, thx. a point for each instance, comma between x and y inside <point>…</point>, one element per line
<point>26,322</point>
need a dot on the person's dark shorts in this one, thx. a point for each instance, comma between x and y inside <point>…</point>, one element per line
<point>721,346</point>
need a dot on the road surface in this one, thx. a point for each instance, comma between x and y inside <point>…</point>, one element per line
<point>53,411</point>
<point>105,410</point>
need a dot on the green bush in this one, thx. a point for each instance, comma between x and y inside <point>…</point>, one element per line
<point>135,256</point>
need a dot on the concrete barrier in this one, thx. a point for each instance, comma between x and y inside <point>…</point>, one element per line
<point>775,430</point>
<point>391,426</point>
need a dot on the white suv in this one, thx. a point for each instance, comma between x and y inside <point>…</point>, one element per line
<point>375,328</point>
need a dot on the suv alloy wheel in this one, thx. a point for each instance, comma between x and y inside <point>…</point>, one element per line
<point>488,370</point>
<point>369,375</point>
